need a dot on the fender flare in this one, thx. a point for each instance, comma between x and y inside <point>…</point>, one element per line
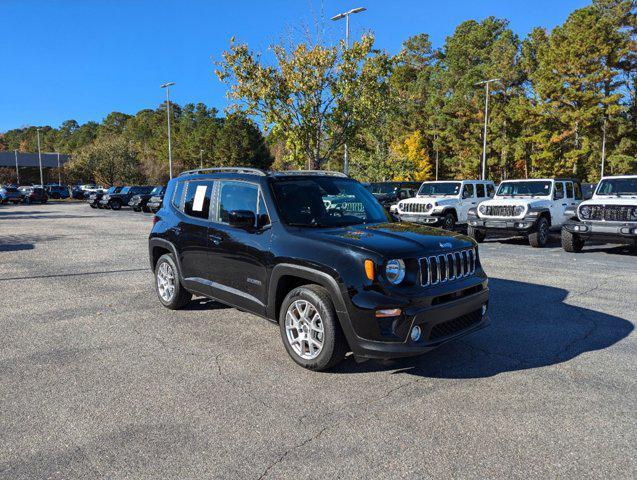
<point>315,276</point>
<point>163,243</point>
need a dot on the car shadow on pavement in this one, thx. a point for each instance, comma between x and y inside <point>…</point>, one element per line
<point>531,326</point>
<point>16,247</point>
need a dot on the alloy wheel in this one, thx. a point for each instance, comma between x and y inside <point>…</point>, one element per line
<point>304,329</point>
<point>166,282</point>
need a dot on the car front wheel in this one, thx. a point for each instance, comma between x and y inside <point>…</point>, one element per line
<point>571,242</point>
<point>477,234</point>
<point>540,236</point>
<point>115,205</point>
<point>310,330</point>
<point>448,222</point>
<point>169,290</point>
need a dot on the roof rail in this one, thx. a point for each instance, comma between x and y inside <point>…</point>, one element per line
<point>245,170</point>
<point>311,172</point>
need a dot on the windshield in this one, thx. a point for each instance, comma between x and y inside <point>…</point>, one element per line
<point>156,190</point>
<point>618,186</point>
<point>439,188</point>
<point>326,202</point>
<point>514,189</point>
<point>382,188</point>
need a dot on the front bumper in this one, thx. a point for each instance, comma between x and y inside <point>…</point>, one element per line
<point>618,232</point>
<point>441,318</point>
<point>508,225</point>
<point>415,218</point>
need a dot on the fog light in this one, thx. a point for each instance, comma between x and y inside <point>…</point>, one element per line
<point>635,231</point>
<point>484,309</point>
<point>415,333</point>
<point>520,225</point>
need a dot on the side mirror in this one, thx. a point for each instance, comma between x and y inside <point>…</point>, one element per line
<point>242,219</point>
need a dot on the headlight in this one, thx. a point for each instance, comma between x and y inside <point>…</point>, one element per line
<point>429,206</point>
<point>395,271</point>
<point>518,210</point>
<point>482,209</point>
<point>585,211</point>
<point>635,212</point>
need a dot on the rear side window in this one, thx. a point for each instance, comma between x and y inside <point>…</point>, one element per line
<point>481,192</point>
<point>237,196</point>
<point>569,190</point>
<point>578,191</point>
<point>178,194</point>
<point>197,199</point>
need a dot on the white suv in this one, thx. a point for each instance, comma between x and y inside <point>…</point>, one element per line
<point>444,203</point>
<point>611,215</point>
<point>526,207</point>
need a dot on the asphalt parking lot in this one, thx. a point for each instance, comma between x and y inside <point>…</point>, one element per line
<point>98,380</point>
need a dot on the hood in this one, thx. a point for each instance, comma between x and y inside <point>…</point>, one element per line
<point>611,200</point>
<point>394,240</point>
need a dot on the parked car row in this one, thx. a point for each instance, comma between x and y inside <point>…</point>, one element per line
<point>23,194</point>
<point>138,197</point>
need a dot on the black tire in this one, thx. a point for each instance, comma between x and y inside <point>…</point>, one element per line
<point>540,236</point>
<point>137,209</point>
<point>180,297</point>
<point>93,205</point>
<point>477,234</point>
<point>571,242</point>
<point>115,205</point>
<point>145,210</point>
<point>334,343</point>
<point>448,222</point>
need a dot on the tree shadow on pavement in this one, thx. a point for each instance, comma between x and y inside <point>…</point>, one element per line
<point>531,327</point>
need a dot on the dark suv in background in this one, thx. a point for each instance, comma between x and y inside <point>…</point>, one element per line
<point>316,253</point>
<point>117,200</point>
<point>389,193</point>
<point>94,198</point>
<point>139,202</point>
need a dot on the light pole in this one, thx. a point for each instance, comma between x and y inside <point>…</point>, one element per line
<point>346,15</point>
<point>486,119</point>
<point>40,158</point>
<point>167,86</point>
<point>603,147</point>
<point>201,158</point>
<point>59,172</point>
<point>17,169</point>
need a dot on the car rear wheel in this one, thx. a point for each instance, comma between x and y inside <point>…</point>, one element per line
<point>169,290</point>
<point>310,330</point>
<point>540,236</point>
<point>571,242</point>
<point>115,205</point>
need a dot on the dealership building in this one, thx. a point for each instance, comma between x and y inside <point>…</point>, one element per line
<point>24,168</point>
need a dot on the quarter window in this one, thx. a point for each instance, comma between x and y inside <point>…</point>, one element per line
<point>480,188</point>
<point>569,190</point>
<point>490,190</point>
<point>237,196</point>
<point>197,199</point>
<point>578,191</point>
<point>178,194</point>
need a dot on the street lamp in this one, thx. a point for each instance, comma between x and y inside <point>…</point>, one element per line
<point>17,169</point>
<point>40,158</point>
<point>346,15</point>
<point>167,86</point>
<point>201,158</point>
<point>486,115</point>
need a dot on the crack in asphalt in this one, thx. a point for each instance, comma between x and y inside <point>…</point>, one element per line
<point>288,451</point>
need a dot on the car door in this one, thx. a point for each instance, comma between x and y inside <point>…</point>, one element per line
<point>191,234</point>
<point>239,258</point>
<point>559,205</point>
<point>467,201</point>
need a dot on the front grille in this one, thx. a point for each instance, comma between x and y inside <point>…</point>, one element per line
<point>499,210</point>
<point>611,213</point>
<point>456,325</point>
<point>447,267</point>
<point>414,207</point>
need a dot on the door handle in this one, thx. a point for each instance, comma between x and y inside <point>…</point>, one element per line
<point>215,239</point>
<point>564,204</point>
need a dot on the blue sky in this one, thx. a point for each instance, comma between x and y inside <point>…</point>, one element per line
<point>81,59</point>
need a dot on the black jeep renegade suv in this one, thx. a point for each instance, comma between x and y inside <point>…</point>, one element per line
<point>316,253</point>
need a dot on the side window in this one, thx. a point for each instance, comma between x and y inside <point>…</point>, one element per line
<point>578,191</point>
<point>237,196</point>
<point>178,195</point>
<point>490,190</point>
<point>197,199</point>
<point>468,191</point>
<point>569,190</point>
<point>559,190</point>
<point>480,189</point>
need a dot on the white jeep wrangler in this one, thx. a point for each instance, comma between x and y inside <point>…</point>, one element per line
<point>611,215</point>
<point>526,207</point>
<point>444,203</point>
